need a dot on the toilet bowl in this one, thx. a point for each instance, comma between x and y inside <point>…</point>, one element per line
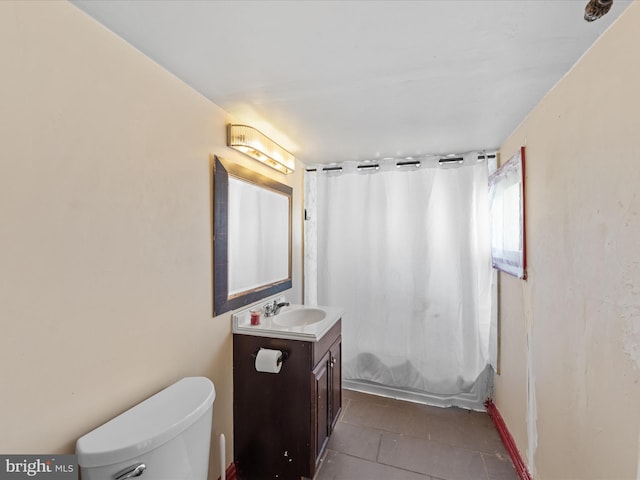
<point>165,437</point>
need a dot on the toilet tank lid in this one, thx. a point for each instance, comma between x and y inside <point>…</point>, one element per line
<point>148,425</point>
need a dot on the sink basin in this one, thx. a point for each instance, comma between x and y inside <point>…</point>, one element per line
<point>294,322</point>
<point>300,317</point>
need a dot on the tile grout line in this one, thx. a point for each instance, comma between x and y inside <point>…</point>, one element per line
<point>379,445</point>
<point>395,467</point>
<point>484,465</point>
<point>428,438</point>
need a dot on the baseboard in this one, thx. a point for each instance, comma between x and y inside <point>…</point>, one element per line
<point>507,440</point>
<point>230,472</point>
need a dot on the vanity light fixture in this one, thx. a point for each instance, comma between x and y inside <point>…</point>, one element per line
<point>258,146</point>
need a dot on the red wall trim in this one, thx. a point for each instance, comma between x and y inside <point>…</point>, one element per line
<point>230,472</point>
<point>507,440</point>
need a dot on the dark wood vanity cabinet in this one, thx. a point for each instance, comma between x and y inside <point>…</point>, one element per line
<point>282,422</point>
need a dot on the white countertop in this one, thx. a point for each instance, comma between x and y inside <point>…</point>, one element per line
<point>241,324</point>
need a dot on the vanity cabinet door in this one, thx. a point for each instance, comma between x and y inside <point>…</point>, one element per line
<point>327,390</point>
<point>321,381</point>
<point>335,373</point>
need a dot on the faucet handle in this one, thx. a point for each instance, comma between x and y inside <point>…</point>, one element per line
<point>269,308</point>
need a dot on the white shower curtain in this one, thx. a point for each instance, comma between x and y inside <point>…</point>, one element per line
<point>406,254</point>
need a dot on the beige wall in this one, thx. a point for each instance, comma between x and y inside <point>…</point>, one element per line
<point>572,330</point>
<point>105,231</point>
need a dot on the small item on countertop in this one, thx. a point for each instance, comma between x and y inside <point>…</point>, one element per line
<point>255,317</point>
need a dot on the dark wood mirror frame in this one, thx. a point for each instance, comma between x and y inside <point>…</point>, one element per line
<point>222,301</point>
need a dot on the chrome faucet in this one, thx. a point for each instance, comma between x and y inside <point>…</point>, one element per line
<point>273,309</point>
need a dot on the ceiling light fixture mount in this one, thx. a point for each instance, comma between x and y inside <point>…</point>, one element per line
<point>596,9</point>
<point>258,146</point>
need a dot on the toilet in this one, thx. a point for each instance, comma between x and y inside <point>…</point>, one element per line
<point>165,437</point>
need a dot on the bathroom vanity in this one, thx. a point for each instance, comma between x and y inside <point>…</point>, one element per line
<point>282,421</point>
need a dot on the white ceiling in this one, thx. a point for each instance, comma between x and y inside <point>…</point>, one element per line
<point>360,80</point>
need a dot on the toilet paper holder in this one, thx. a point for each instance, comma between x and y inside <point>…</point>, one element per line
<point>284,356</point>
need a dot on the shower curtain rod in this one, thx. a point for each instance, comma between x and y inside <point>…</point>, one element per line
<point>401,163</point>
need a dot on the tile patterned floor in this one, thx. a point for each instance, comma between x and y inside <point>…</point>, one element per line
<point>378,438</point>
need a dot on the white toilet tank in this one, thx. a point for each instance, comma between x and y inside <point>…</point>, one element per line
<point>165,437</point>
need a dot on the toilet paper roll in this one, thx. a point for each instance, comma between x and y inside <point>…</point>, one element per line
<point>268,361</point>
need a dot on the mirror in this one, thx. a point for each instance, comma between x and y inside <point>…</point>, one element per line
<point>251,236</point>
